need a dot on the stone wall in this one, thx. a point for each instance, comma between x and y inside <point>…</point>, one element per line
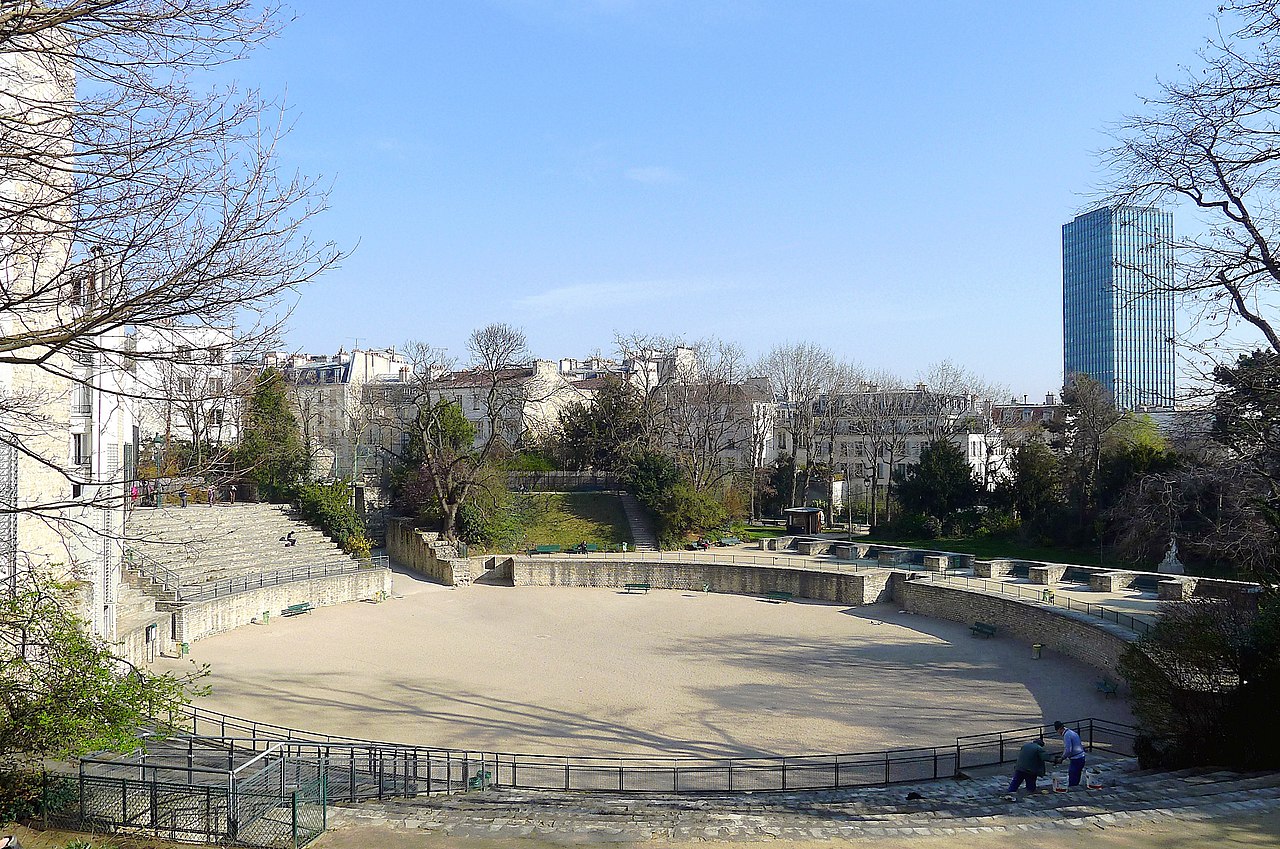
<point>854,589</point>
<point>192,622</point>
<point>423,552</point>
<point>1085,638</point>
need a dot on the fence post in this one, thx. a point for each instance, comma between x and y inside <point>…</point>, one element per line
<point>784,773</point>
<point>566,773</point>
<point>957,756</point>
<point>886,767</point>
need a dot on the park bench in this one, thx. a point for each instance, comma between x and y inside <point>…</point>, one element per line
<point>730,541</point>
<point>781,596</point>
<point>295,609</point>
<point>479,781</point>
<point>546,549</point>
<point>636,588</point>
<point>1106,687</point>
<point>982,629</point>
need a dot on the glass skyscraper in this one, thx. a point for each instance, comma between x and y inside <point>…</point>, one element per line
<point>1117,303</point>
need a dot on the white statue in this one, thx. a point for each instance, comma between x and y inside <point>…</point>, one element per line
<point>1171,565</point>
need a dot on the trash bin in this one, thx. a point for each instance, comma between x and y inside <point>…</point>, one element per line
<point>186,649</point>
<point>1035,651</point>
<point>266,616</point>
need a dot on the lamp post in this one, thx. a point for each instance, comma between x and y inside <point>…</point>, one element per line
<point>866,491</point>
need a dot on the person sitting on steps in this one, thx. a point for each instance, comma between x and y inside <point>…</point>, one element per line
<point>289,539</point>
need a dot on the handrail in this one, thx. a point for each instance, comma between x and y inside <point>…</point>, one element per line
<point>367,769</point>
<point>172,582</point>
<point>1133,623</point>
<point>258,580</point>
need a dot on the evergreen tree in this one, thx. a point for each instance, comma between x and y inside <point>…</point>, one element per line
<point>270,453</point>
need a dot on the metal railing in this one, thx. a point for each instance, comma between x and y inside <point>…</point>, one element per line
<point>245,583</point>
<point>1044,595</point>
<point>171,581</point>
<point>363,769</point>
<point>148,567</point>
<point>813,563</point>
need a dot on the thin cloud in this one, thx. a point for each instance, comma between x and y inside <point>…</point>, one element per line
<point>653,175</point>
<point>592,297</point>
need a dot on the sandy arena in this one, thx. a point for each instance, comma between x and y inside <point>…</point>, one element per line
<point>597,671</point>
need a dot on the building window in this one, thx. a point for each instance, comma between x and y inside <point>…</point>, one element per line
<point>215,418</point>
<point>184,386</point>
<point>215,386</point>
<point>184,354</point>
<point>216,356</point>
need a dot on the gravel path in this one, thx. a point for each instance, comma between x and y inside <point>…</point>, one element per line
<point>596,671</point>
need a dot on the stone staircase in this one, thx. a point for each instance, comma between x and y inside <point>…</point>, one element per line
<point>642,533</point>
<point>944,807</point>
<point>196,547</point>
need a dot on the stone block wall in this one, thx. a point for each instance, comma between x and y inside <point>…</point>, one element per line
<point>852,589</point>
<point>423,552</point>
<point>1085,638</point>
<point>192,622</point>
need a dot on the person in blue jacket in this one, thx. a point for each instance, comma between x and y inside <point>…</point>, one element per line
<point>1073,752</point>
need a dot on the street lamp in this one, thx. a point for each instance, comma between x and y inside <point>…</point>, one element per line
<point>866,492</point>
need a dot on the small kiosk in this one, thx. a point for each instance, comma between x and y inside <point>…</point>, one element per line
<point>803,520</point>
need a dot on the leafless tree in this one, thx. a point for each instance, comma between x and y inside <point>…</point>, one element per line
<point>135,195</point>
<point>801,374</point>
<point>1211,139</point>
<point>708,412</point>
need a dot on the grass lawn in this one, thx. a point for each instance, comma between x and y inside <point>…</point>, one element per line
<point>568,518</point>
<point>986,549</point>
<point>750,533</point>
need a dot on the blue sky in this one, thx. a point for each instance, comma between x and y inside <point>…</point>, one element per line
<point>886,179</point>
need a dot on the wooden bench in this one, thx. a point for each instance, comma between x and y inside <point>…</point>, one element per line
<point>636,588</point>
<point>1106,687</point>
<point>295,609</point>
<point>781,596</point>
<point>545,549</point>
<point>982,629</point>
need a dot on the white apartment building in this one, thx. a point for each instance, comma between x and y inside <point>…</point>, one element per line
<point>334,410</point>
<point>871,434</point>
<point>186,386</point>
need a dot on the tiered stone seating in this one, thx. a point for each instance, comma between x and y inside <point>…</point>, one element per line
<point>203,545</point>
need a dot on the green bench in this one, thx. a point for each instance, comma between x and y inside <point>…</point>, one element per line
<point>479,781</point>
<point>730,541</point>
<point>1106,687</point>
<point>295,609</point>
<point>982,629</point>
<point>781,596</point>
<point>545,549</point>
<point>636,588</point>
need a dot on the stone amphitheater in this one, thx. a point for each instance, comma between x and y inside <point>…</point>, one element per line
<point>211,570</point>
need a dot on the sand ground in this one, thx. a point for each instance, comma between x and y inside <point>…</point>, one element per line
<point>596,671</point>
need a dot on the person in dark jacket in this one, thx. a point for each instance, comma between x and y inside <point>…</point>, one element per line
<point>1030,766</point>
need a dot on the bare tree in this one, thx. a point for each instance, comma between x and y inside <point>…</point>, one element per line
<point>801,373</point>
<point>708,412</point>
<point>133,195</point>
<point>455,453</point>
<point>1211,139</point>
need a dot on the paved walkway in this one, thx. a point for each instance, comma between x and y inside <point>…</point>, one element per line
<point>943,809</point>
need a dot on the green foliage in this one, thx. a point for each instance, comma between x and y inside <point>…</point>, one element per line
<point>939,484</point>
<point>1200,681</point>
<point>602,434</point>
<point>530,461</point>
<point>62,692</point>
<point>270,454</point>
<point>687,511</point>
<point>27,793</point>
<point>1034,487</point>
<point>328,506</point>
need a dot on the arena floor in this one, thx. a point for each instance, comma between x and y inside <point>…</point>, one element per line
<point>597,671</point>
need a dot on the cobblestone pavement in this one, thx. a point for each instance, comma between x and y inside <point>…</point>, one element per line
<point>944,808</point>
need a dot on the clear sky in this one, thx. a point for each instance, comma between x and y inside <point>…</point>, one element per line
<point>887,179</point>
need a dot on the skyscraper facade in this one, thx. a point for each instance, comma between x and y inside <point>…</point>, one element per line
<point>1117,303</point>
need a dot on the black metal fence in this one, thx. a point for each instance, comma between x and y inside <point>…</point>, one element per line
<point>359,769</point>
<point>272,801</point>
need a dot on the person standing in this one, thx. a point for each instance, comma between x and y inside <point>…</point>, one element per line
<point>1030,766</point>
<point>231,494</point>
<point>1073,752</point>
<point>213,495</point>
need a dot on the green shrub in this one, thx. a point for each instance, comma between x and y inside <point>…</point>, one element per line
<point>328,507</point>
